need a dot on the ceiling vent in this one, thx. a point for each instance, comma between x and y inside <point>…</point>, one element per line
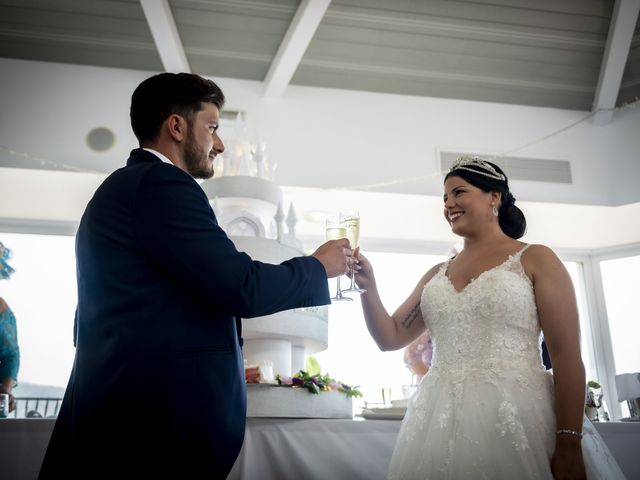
<point>228,117</point>
<point>519,168</point>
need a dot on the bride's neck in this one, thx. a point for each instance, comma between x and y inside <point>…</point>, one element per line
<point>486,242</point>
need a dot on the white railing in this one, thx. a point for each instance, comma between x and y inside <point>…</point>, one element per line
<point>36,407</point>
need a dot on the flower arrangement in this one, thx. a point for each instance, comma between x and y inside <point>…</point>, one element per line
<point>418,354</point>
<point>594,394</point>
<point>593,402</point>
<point>315,382</point>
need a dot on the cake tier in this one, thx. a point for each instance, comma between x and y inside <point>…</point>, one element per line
<point>243,187</point>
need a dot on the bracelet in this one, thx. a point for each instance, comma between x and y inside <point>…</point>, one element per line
<point>568,432</point>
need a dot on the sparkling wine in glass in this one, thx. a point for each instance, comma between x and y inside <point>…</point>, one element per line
<point>351,220</point>
<point>336,230</point>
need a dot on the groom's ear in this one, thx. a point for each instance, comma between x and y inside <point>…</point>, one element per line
<point>176,127</point>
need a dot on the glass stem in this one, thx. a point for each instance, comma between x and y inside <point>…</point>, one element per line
<point>339,293</point>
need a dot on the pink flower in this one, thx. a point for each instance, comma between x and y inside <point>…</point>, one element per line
<point>417,355</point>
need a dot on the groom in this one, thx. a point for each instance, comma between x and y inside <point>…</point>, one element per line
<point>157,388</point>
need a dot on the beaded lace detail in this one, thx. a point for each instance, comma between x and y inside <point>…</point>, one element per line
<point>485,408</point>
<point>488,327</point>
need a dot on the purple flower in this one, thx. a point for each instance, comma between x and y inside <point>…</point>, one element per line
<point>285,380</point>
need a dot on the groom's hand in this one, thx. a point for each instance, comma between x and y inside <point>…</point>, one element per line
<point>335,256</point>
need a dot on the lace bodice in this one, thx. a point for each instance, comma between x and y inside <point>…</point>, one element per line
<point>485,409</point>
<point>490,327</point>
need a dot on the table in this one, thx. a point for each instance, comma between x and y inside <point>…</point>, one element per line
<point>623,440</point>
<point>23,442</point>
<point>282,449</point>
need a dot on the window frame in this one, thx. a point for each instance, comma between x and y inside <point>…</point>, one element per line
<point>600,327</point>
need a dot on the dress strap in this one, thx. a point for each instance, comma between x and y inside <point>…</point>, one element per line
<point>444,266</point>
<point>519,253</point>
<point>514,264</point>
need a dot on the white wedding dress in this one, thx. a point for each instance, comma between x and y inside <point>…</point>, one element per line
<point>485,409</point>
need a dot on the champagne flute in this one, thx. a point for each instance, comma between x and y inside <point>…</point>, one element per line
<point>351,220</point>
<point>336,230</point>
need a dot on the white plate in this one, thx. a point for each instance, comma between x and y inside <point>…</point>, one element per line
<point>402,403</point>
<point>388,410</point>
<point>383,413</point>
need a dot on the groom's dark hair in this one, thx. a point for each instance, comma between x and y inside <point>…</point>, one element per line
<point>164,94</point>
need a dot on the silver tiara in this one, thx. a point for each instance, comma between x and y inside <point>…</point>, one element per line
<point>477,165</point>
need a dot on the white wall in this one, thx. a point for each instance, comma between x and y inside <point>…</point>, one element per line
<point>412,223</point>
<point>330,138</point>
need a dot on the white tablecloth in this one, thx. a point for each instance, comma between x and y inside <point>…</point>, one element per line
<point>282,449</point>
<point>285,449</point>
<point>23,442</point>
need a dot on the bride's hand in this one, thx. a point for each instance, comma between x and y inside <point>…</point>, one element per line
<point>567,462</point>
<point>364,270</point>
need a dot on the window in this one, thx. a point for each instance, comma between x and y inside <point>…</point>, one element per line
<point>42,294</point>
<point>352,356</point>
<point>619,281</point>
<point>586,344</point>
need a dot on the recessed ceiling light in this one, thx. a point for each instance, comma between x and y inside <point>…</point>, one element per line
<point>101,139</point>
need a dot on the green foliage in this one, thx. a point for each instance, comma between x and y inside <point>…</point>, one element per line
<point>316,383</point>
<point>313,367</point>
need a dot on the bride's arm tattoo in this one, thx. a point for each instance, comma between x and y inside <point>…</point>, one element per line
<point>413,314</point>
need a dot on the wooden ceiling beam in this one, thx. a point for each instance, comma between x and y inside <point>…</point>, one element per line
<point>165,35</point>
<point>295,42</point>
<point>623,23</point>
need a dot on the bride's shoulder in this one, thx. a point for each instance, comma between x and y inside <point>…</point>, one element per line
<point>536,251</point>
<point>537,256</point>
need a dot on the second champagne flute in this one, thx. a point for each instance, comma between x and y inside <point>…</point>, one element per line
<point>351,220</point>
<point>336,230</point>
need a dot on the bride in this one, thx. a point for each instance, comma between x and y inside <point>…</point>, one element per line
<point>487,408</point>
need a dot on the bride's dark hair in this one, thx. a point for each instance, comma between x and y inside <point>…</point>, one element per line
<point>510,217</point>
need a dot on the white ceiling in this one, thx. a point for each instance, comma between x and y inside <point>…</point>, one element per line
<point>349,94</point>
<point>543,53</point>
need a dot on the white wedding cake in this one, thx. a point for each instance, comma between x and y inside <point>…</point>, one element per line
<point>249,210</point>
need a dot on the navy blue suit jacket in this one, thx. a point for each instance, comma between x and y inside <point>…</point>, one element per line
<point>157,387</point>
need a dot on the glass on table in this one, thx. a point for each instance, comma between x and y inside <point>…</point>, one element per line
<point>4,405</point>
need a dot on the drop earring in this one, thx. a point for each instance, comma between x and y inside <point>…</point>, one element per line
<point>494,210</point>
